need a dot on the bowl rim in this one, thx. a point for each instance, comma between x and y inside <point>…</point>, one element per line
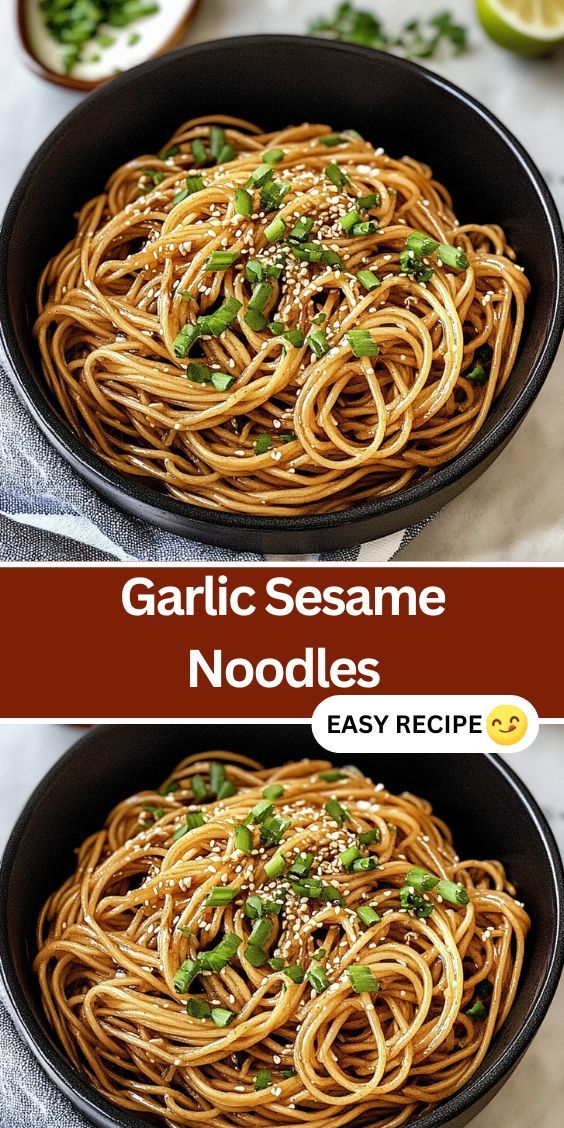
<point>60,1070</point>
<point>106,479</point>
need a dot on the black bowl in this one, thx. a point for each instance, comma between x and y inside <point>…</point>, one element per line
<point>491,812</point>
<point>280,80</point>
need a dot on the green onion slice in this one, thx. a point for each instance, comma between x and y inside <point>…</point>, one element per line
<point>362,979</point>
<point>362,342</point>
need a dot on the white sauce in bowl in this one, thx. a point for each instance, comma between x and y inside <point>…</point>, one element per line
<point>101,62</point>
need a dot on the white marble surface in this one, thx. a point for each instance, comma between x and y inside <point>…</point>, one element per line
<point>515,511</point>
<point>534,1095</point>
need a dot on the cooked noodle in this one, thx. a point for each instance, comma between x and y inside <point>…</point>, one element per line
<point>281,430</point>
<point>276,1047</point>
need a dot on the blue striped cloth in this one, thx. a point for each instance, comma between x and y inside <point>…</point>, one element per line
<point>47,511</point>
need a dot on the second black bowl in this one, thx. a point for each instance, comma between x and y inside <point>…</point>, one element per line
<point>489,810</point>
<point>281,80</point>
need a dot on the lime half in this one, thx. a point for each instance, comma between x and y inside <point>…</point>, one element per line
<point>530,27</point>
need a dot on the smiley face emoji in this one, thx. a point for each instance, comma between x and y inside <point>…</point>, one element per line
<point>506,724</point>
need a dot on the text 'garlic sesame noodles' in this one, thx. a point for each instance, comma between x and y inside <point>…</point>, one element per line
<point>281,323</point>
<point>251,947</point>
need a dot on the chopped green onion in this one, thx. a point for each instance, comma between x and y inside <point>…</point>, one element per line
<point>301,228</point>
<point>221,1016</point>
<point>217,322</point>
<point>295,337</point>
<point>332,776</point>
<point>260,811</point>
<point>362,979</point>
<point>199,789</point>
<point>272,194</point>
<point>273,156</point>
<point>453,892</point>
<point>198,1008</point>
<point>302,865</point>
<point>227,154</point>
<point>362,342</point>
<point>286,1073</point>
<point>198,373</point>
<point>477,1010</point>
<point>153,175</point>
<point>317,976</point>
<point>185,339</point>
<point>183,928</point>
<point>218,141</point>
<point>275,230</point>
<point>336,175</point>
<point>452,256</point>
<point>277,327</point>
<point>421,879</point>
<point>336,812</point>
<point>272,830</point>
<point>221,382</point>
<point>413,902</point>
<point>295,972</point>
<point>368,915</point>
<point>372,200</point>
<point>412,265</point>
<point>275,865</point>
<point>369,837</point>
<point>331,893</point>
<point>227,788</point>
<point>156,812</point>
<point>263,1079</point>
<point>193,820</point>
<point>260,932</point>
<point>260,176</point>
<point>217,958</point>
<point>332,139</point>
<point>193,184</point>
<point>221,895</point>
<point>320,955</point>
<point>255,906</point>
<point>277,963</point>
<point>361,865</point>
<point>477,374</point>
<point>421,243</point>
<point>368,279</point>
<point>255,956</point>
<point>254,270</point>
<point>275,791</point>
<point>243,839</point>
<point>217,776</point>
<point>366,227</point>
<point>261,296</point>
<point>350,219</point>
<point>262,444</point>
<point>255,320</point>
<point>319,319</point>
<point>186,295</point>
<point>186,973</point>
<point>349,856</point>
<point>199,153</point>
<point>318,343</point>
<point>243,202</point>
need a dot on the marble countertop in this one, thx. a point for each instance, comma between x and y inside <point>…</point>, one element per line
<point>534,1095</point>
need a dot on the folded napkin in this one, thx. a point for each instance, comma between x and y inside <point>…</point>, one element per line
<point>47,511</point>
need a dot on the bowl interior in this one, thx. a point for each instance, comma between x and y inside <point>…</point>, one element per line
<point>489,811</point>
<point>395,104</point>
